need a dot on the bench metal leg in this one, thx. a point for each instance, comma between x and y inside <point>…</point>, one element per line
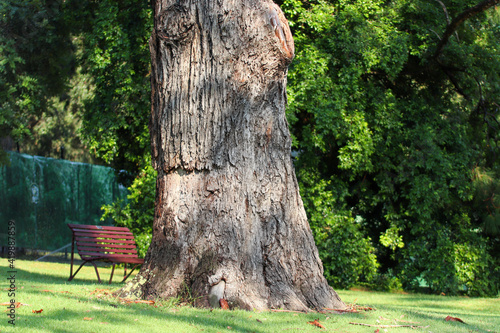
<point>83,263</point>
<point>112,271</point>
<point>71,276</point>
<point>97,273</point>
<point>126,277</point>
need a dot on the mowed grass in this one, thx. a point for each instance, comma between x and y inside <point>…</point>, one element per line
<point>77,307</point>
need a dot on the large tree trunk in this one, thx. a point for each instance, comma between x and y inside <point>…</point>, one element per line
<point>229,219</point>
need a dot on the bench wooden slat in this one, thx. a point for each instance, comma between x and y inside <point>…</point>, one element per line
<point>91,233</point>
<point>104,250</point>
<point>97,249</point>
<point>99,254</point>
<point>96,227</point>
<point>107,246</point>
<point>94,233</point>
<point>104,241</point>
<point>98,235</point>
<point>103,231</point>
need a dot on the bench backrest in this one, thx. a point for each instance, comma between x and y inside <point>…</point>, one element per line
<point>102,241</point>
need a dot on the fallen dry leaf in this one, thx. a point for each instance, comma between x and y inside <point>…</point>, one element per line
<point>362,308</point>
<point>52,291</point>
<point>377,331</point>
<point>103,291</point>
<point>145,302</point>
<point>87,318</point>
<point>37,311</point>
<point>316,323</point>
<point>223,304</point>
<point>18,304</point>
<point>129,301</point>
<point>450,318</point>
<point>124,300</point>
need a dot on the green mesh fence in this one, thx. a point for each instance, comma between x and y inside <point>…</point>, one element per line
<point>44,194</point>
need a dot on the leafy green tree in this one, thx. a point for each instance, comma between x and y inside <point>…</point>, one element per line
<point>137,212</point>
<point>36,62</point>
<point>115,39</point>
<point>392,104</point>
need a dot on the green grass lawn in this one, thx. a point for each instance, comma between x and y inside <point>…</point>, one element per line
<point>77,307</point>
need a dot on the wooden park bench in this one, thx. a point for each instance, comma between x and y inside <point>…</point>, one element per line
<point>102,243</point>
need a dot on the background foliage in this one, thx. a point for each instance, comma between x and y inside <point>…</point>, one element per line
<point>41,85</point>
<point>403,131</point>
<point>116,56</point>
<point>394,109</point>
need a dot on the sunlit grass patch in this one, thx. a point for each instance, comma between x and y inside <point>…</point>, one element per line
<point>82,305</point>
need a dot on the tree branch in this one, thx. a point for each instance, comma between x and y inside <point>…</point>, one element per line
<point>447,17</point>
<point>455,83</point>
<point>445,11</point>
<point>457,21</point>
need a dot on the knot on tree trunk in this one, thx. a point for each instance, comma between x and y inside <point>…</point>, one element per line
<point>175,24</point>
<point>281,30</point>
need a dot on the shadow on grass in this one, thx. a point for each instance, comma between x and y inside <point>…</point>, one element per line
<point>109,311</point>
<point>58,278</point>
<point>126,319</point>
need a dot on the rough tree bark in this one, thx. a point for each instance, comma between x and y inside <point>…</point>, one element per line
<point>229,219</point>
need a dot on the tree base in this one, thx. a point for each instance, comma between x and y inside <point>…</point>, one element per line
<point>233,235</point>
